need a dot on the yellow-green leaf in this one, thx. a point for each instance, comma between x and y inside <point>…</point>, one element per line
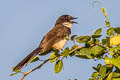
<point>73,37</point>
<point>34,59</point>
<point>106,15</point>
<point>105,41</point>
<point>16,72</point>
<point>117,30</point>
<point>97,50</point>
<point>114,61</point>
<point>115,78</point>
<point>115,74</point>
<point>110,31</point>
<point>102,10</point>
<point>115,40</point>
<point>96,36</point>
<point>98,31</point>
<point>107,23</point>
<point>102,71</point>
<point>95,74</point>
<point>13,74</point>
<point>83,39</point>
<point>53,57</point>
<point>58,66</point>
<point>84,52</point>
<point>110,76</point>
<point>65,52</point>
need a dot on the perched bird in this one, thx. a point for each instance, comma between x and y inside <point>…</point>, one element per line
<point>54,39</point>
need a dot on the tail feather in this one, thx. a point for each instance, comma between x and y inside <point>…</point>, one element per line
<point>27,59</point>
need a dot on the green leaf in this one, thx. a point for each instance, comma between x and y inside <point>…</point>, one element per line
<point>65,52</point>
<point>110,31</point>
<point>73,53</point>
<point>83,39</point>
<point>91,79</point>
<point>82,56</point>
<point>16,72</point>
<point>102,71</point>
<point>117,30</point>
<point>115,78</point>
<point>114,48</point>
<point>13,74</point>
<point>96,40</point>
<point>107,23</point>
<point>98,31</point>
<point>58,66</point>
<point>113,61</point>
<point>91,42</point>
<point>96,36</point>
<point>34,59</point>
<point>95,75</point>
<point>104,41</point>
<point>116,75</point>
<point>74,46</point>
<point>53,57</point>
<point>12,67</point>
<point>73,37</point>
<point>110,76</point>
<point>84,52</point>
<point>97,68</point>
<point>97,50</point>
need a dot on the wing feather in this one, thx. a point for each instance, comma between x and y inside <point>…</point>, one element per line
<point>56,34</point>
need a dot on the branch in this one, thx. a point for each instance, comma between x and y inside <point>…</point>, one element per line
<point>45,61</point>
<point>26,73</point>
<point>79,47</point>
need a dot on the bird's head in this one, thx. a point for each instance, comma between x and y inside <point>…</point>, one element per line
<point>66,20</point>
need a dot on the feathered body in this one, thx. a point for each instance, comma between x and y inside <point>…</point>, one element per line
<point>56,38</point>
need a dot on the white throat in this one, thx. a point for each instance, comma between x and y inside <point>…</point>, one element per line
<point>67,24</point>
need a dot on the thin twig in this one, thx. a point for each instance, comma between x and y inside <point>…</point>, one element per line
<point>45,61</point>
<point>79,47</point>
<point>26,73</point>
<point>40,65</point>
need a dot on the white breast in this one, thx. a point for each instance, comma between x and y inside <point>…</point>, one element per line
<point>59,45</point>
<point>67,24</point>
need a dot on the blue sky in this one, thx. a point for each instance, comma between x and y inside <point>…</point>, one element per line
<point>23,23</point>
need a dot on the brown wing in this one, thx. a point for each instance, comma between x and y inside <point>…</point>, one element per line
<point>54,35</point>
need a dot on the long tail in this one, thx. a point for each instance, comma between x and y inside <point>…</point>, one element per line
<point>27,59</point>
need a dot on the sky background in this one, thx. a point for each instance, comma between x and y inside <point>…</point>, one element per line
<point>23,23</point>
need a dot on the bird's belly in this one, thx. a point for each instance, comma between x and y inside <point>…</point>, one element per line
<point>60,44</point>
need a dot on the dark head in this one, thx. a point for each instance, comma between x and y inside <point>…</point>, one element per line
<point>66,18</point>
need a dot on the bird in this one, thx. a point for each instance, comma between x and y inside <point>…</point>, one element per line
<point>56,38</point>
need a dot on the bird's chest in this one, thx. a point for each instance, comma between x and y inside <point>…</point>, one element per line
<point>60,44</point>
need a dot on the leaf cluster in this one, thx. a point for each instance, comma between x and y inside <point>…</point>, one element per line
<point>103,44</point>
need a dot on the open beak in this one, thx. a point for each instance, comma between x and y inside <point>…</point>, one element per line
<point>74,21</point>
<point>75,18</point>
